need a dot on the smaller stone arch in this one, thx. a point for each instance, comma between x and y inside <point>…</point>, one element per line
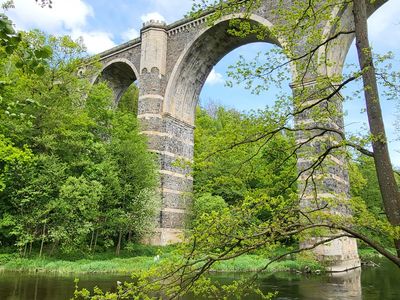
<point>120,73</point>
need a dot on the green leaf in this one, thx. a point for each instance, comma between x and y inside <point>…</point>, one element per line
<point>40,70</point>
<point>44,52</point>
<point>9,49</point>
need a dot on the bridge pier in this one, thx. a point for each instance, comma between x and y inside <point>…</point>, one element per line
<point>169,138</point>
<point>323,188</point>
<point>172,141</point>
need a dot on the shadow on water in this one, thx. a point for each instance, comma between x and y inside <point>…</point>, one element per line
<point>371,284</point>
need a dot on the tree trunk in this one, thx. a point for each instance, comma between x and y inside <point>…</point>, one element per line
<point>383,165</point>
<point>26,245</point>
<point>91,241</point>
<point>55,244</point>
<point>42,243</point>
<point>129,236</point>
<point>118,249</point>
<point>95,240</point>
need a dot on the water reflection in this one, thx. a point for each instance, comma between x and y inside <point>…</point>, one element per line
<point>368,284</point>
<point>312,287</point>
<point>19,286</point>
<point>345,285</point>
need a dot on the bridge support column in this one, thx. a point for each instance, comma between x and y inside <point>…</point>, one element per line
<point>324,186</point>
<point>170,139</point>
<point>176,181</point>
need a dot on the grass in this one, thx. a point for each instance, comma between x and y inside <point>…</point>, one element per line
<point>107,263</point>
<point>251,263</point>
<point>141,257</point>
<point>83,266</point>
<point>137,258</point>
<point>125,266</point>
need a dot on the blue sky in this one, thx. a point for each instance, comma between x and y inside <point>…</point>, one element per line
<point>105,23</point>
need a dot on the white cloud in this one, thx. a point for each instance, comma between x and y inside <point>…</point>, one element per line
<point>214,78</point>
<point>152,16</point>
<point>64,15</point>
<point>95,41</point>
<point>384,26</point>
<point>130,34</point>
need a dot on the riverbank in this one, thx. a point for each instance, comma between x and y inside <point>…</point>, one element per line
<point>106,264</point>
<point>126,266</point>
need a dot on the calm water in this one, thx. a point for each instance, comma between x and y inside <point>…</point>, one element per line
<point>369,283</point>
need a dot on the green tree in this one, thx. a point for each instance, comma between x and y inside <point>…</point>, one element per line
<point>366,184</point>
<point>72,167</point>
<point>9,156</point>
<point>129,100</point>
<point>228,167</point>
<point>136,175</point>
<point>207,204</point>
<point>26,200</point>
<point>9,39</point>
<point>74,212</point>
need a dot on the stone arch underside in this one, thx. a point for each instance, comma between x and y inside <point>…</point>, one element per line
<point>196,63</point>
<point>119,75</point>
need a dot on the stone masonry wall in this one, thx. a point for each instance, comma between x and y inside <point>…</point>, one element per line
<point>325,185</point>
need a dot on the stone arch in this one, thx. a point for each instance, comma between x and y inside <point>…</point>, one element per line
<point>120,73</point>
<point>338,51</point>
<point>196,62</point>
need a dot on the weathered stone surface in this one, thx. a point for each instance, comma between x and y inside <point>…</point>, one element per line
<point>171,199</point>
<point>171,63</point>
<point>338,254</point>
<point>172,219</point>
<point>176,183</point>
<point>154,48</point>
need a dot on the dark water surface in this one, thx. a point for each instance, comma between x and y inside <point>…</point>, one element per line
<point>369,283</point>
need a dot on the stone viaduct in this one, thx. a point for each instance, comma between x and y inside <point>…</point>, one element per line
<point>171,63</point>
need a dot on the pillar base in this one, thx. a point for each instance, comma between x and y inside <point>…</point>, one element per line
<point>339,255</point>
<point>164,237</point>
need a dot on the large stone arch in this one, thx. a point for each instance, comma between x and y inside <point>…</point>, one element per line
<point>119,73</point>
<point>196,62</point>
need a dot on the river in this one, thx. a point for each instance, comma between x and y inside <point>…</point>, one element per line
<point>370,283</point>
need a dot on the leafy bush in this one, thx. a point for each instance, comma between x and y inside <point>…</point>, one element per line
<point>206,204</point>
